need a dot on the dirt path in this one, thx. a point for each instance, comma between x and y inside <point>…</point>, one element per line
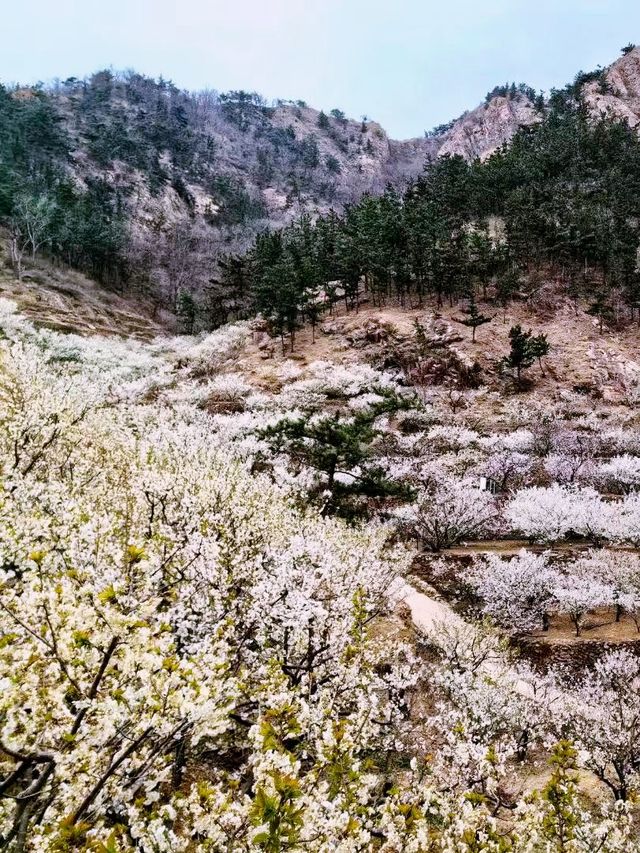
<point>429,615</point>
<point>427,612</point>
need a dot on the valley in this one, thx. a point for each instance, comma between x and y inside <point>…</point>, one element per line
<point>170,411</point>
<point>319,473</point>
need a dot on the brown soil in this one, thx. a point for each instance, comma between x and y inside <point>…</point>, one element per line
<point>581,359</point>
<point>69,302</point>
<point>599,625</point>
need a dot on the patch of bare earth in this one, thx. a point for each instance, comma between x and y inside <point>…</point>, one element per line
<point>599,625</point>
<point>67,301</point>
<point>581,359</point>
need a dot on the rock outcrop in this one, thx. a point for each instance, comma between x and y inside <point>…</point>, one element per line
<point>482,131</point>
<point>620,95</point>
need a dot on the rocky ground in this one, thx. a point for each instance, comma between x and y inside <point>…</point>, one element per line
<point>582,360</point>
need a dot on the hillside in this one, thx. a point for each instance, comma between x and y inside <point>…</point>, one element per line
<point>68,301</point>
<point>139,184</point>
<point>358,569</point>
<point>152,184</point>
<point>242,159</point>
<point>185,590</point>
<point>232,163</point>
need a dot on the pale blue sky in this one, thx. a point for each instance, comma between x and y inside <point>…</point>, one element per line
<point>409,64</point>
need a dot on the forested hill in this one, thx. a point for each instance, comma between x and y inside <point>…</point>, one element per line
<point>203,172</point>
<point>151,188</point>
<point>559,204</point>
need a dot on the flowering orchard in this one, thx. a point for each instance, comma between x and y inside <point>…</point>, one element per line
<point>193,660</point>
<point>521,593</point>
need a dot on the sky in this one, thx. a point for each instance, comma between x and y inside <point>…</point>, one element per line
<point>408,64</point>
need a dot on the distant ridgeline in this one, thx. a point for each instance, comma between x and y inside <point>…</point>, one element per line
<point>219,205</point>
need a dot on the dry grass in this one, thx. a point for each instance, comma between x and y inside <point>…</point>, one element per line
<point>67,301</point>
<point>580,358</point>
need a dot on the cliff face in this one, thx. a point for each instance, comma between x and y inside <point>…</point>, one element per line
<point>618,95</point>
<point>482,131</point>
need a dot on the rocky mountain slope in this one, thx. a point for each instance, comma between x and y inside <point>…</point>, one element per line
<point>482,131</point>
<point>167,182</point>
<point>232,163</point>
<point>617,93</point>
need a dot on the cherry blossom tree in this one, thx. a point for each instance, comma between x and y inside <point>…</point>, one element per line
<point>620,473</point>
<point>570,459</point>
<point>516,593</point>
<point>450,511</point>
<point>620,572</point>
<point>577,595</point>
<point>546,514</point>
<point>136,565</point>
<point>509,468</point>
<point>552,513</point>
<point>483,719</point>
<point>555,819</point>
<point>601,714</point>
<point>625,523</point>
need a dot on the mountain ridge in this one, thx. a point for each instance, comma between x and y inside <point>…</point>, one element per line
<point>291,158</point>
<point>188,178</point>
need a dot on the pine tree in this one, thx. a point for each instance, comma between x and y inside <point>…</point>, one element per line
<point>333,164</point>
<point>519,357</point>
<point>525,349</point>
<point>312,309</point>
<point>474,318</point>
<point>334,445</point>
<point>539,347</point>
<point>186,311</point>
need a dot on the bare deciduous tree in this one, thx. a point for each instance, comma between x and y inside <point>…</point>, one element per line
<point>30,227</point>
